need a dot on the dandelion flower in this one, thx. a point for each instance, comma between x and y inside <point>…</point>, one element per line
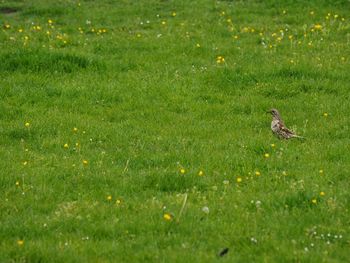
<point>85,162</point>
<point>20,242</point>
<point>27,124</point>
<point>317,27</point>
<point>198,45</point>
<point>25,163</point>
<point>49,21</point>
<point>325,114</point>
<point>17,183</point>
<point>200,173</point>
<point>320,171</point>
<point>75,129</point>
<point>118,201</point>
<point>109,197</point>
<point>220,59</point>
<point>66,145</point>
<point>239,179</point>
<point>284,173</point>
<point>322,193</point>
<point>167,217</point>
<point>182,171</point>
<point>266,155</point>
<point>173,14</point>
<point>257,173</point>
<point>163,22</point>
<point>314,201</point>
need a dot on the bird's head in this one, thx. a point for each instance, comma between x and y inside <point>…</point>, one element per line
<point>274,113</point>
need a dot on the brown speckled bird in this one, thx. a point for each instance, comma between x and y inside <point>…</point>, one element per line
<point>278,127</point>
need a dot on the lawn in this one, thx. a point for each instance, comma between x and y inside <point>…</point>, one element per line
<point>136,131</point>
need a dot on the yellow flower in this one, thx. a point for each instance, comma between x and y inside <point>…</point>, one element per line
<point>17,183</point>
<point>290,37</point>
<point>20,30</point>
<point>109,197</point>
<point>66,145</point>
<point>200,173</point>
<point>163,22</point>
<point>118,201</point>
<point>342,58</point>
<point>182,171</point>
<point>314,201</point>
<point>322,193</point>
<point>284,12</point>
<point>235,37</point>
<point>284,173</point>
<point>138,35</point>
<point>257,173</point>
<point>266,155</point>
<point>198,45</point>
<point>318,27</point>
<point>173,14</point>
<point>167,217</point>
<point>320,171</point>
<point>77,144</point>
<point>27,124</point>
<point>220,59</point>
<point>20,242</point>
<point>85,162</point>
<point>75,129</point>
<point>239,179</point>
<point>312,13</point>
<point>325,114</point>
<point>25,163</point>
<point>49,21</point>
<point>7,26</point>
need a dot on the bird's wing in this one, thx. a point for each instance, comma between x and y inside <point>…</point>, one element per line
<point>285,129</point>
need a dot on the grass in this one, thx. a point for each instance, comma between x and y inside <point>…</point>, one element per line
<point>110,110</point>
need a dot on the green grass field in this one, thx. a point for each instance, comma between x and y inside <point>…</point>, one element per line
<point>136,131</point>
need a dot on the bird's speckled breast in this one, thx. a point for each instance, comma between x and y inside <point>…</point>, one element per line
<point>275,125</point>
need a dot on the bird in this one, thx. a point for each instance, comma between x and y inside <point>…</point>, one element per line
<point>278,127</point>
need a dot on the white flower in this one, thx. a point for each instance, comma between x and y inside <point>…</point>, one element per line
<point>205,209</point>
